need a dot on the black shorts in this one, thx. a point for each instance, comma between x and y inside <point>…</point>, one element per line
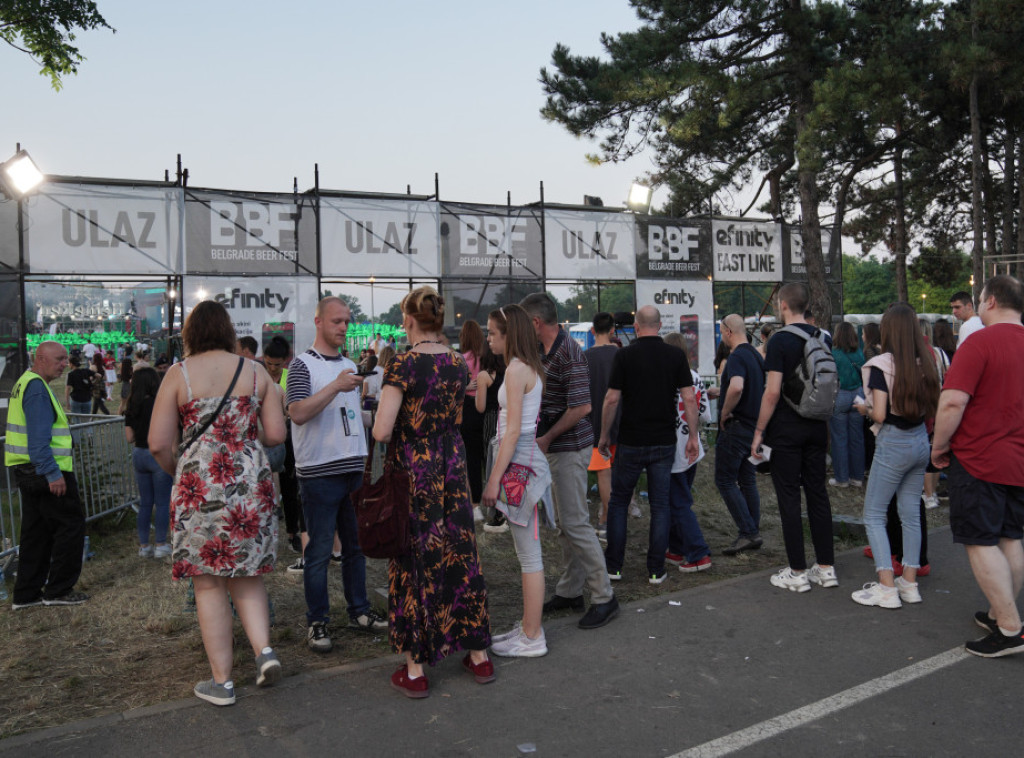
<point>982,513</point>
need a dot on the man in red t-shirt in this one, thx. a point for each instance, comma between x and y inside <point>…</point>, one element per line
<point>979,435</point>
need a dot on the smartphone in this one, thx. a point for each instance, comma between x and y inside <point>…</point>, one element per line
<point>371,372</point>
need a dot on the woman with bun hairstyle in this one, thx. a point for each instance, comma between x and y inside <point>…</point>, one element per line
<point>437,597</point>
<point>901,389</point>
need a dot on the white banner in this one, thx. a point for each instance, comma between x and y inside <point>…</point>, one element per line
<point>687,307</point>
<point>589,245</point>
<point>387,237</point>
<point>747,251</point>
<point>260,306</point>
<point>103,229</point>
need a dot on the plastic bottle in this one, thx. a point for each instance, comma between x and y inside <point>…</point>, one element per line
<point>86,555</point>
<point>3,584</point>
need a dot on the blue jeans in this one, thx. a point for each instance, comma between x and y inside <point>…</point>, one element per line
<point>83,407</point>
<point>154,496</point>
<point>847,430</point>
<point>736,478</point>
<point>685,537</point>
<point>901,456</point>
<point>629,462</point>
<point>327,506</point>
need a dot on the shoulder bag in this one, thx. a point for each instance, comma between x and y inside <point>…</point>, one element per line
<point>382,508</point>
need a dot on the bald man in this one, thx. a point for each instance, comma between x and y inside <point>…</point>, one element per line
<point>38,450</point>
<point>742,386</point>
<point>645,378</point>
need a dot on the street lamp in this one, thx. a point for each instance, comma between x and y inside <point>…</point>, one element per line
<point>579,312</point>
<point>924,295</point>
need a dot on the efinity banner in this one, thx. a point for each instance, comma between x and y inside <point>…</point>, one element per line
<point>249,234</point>
<point>686,306</point>
<point>378,237</point>
<point>491,241</point>
<point>589,245</point>
<point>668,248</point>
<point>103,229</point>
<point>260,307</point>
<point>747,251</point>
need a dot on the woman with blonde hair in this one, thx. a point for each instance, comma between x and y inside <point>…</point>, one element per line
<point>437,597</point>
<point>223,519</point>
<point>901,388</point>
<point>510,333</point>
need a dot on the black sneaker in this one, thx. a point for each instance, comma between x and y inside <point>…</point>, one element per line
<point>27,604</point>
<point>319,638</point>
<point>996,645</point>
<point>295,543</point>
<point>336,558</point>
<point>986,622</point>
<point>298,567</point>
<point>743,543</point>
<point>70,598</point>
<point>371,621</point>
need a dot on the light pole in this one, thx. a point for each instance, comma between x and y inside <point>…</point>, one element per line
<point>924,295</point>
<point>373,316</point>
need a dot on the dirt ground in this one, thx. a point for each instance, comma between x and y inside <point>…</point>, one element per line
<point>136,643</point>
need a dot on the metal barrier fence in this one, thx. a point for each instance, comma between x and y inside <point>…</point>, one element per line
<point>103,467</point>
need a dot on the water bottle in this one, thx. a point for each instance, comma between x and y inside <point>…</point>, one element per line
<point>3,584</point>
<point>85,550</point>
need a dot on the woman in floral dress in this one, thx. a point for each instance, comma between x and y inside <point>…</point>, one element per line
<point>223,524</point>
<point>437,598</point>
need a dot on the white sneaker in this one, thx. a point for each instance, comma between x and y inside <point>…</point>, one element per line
<point>162,551</point>
<point>521,646</point>
<point>478,515</point>
<point>508,635</point>
<point>834,483</point>
<point>909,593</point>
<point>856,482</point>
<point>146,551</point>
<point>931,502</point>
<point>825,576</point>
<point>874,593</point>
<point>791,581</point>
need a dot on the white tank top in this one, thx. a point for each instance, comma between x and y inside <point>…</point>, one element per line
<point>531,409</point>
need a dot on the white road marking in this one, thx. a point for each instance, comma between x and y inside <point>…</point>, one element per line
<point>787,721</point>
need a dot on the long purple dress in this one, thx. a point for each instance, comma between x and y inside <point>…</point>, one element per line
<point>437,598</point>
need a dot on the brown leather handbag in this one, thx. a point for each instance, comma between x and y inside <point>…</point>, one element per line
<point>382,509</point>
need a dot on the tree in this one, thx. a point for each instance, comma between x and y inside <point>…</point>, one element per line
<point>868,285</point>
<point>46,31</point>
<point>719,91</point>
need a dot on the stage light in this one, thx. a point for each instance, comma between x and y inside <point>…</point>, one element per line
<point>19,175</point>
<point>640,197</point>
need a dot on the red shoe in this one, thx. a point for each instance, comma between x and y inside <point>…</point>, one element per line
<point>925,570</point>
<point>482,672</point>
<point>699,565</point>
<point>675,560</point>
<point>868,553</point>
<point>897,567</point>
<point>415,688</point>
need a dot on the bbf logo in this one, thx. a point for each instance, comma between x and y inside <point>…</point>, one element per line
<point>674,243</point>
<point>252,225</point>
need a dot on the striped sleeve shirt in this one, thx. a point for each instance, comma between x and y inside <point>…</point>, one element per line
<point>566,385</point>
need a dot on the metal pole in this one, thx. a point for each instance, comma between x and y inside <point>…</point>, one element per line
<point>22,320</point>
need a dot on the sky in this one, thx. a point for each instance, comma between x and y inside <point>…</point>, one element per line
<point>381,95</point>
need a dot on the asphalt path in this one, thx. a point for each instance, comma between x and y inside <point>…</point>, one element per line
<point>736,667</point>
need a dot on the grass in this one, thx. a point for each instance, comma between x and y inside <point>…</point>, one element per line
<point>134,644</point>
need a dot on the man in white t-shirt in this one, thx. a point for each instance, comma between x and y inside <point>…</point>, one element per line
<point>963,310</point>
<point>330,448</point>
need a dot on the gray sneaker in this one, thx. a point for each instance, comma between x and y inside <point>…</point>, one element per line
<point>215,693</point>
<point>319,638</point>
<point>371,621</point>
<point>268,669</point>
<point>68,598</point>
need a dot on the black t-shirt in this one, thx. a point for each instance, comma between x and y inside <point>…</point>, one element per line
<point>138,422</point>
<point>876,381</point>
<point>648,372</point>
<point>80,382</point>
<point>746,362</point>
<point>785,353</point>
<point>599,363</point>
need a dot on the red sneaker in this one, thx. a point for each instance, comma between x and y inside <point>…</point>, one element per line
<point>415,688</point>
<point>675,560</point>
<point>925,570</point>
<point>482,672</point>
<point>868,553</point>
<point>897,567</point>
<point>702,565</point>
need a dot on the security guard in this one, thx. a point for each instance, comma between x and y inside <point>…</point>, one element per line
<point>38,450</point>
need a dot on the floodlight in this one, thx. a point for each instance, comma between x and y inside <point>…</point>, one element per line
<point>640,197</point>
<point>19,175</point>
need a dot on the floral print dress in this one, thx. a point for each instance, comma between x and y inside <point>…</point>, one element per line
<point>223,520</point>
<point>437,598</point>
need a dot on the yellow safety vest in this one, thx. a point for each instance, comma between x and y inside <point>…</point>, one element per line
<point>16,445</point>
<point>284,379</point>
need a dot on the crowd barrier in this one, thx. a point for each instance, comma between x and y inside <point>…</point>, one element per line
<point>103,468</point>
